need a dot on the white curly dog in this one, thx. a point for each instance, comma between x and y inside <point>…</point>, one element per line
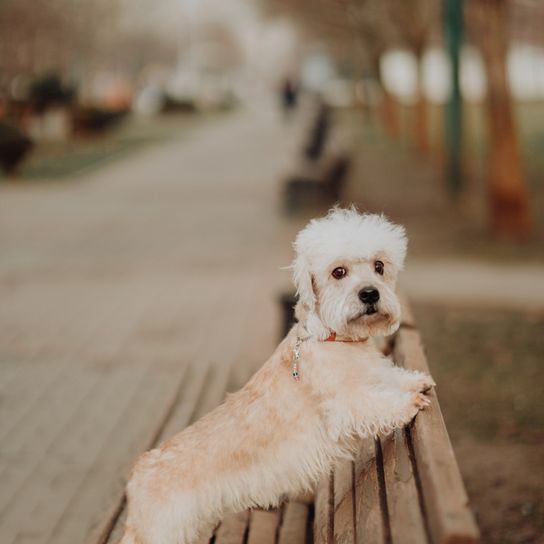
<point>325,384</point>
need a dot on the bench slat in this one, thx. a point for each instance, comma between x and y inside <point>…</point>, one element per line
<point>324,512</point>
<point>445,500</point>
<point>295,523</point>
<point>368,503</point>
<point>232,529</point>
<point>192,389</point>
<point>405,517</point>
<point>344,524</point>
<point>263,526</point>
<point>407,316</point>
<point>102,532</point>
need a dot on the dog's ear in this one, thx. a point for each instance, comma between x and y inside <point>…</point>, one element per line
<point>303,282</point>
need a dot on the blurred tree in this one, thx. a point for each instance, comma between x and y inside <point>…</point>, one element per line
<point>34,36</point>
<point>510,214</point>
<point>364,22</point>
<point>14,145</point>
<point>371,27</point>
<point>413,21</point>
<point>49,90</point>
<point>82,39</point>
<point>453,30</point>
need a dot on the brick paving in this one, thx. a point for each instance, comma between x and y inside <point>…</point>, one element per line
<point>133,294</point>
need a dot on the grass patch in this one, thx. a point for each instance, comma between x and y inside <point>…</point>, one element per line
<point>65,160</point>
<point>488,365</point>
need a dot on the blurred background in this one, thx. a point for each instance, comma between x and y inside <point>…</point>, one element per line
<point>157,158</point>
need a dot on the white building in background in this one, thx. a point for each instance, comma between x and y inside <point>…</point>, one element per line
<point>525,71</point>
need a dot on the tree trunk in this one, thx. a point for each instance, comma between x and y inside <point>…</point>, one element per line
<point>453,112</point>
<point>390,116</point>
<point>507,191</point>
<point>388,106</point>
<point>421,126</point>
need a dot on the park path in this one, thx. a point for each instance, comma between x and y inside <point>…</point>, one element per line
<point>115,289</point>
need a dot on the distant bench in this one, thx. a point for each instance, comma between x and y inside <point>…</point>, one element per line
<point>402,489</point>
<point>317,178</point>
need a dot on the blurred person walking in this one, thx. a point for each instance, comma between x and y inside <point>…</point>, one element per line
<point>289,97</point>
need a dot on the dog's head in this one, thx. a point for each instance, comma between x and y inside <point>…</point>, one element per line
<point>345,270</point>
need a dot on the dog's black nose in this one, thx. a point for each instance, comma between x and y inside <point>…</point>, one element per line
<point>369,295</point>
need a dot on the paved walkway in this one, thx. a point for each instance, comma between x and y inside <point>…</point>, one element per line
<point>113,287</point>
<point>457,282</point>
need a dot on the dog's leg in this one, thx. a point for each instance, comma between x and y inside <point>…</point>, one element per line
<point>409,380</point>
<point>375,409</point>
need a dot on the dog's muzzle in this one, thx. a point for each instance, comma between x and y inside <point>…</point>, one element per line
<point>369,296</point>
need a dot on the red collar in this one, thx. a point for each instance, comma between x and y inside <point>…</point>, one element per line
<point>332,338</point>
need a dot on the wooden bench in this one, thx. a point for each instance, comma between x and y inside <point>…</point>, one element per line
<point>313,185</point>
<point>402,489</point>
<point>405,488</point>
<point>318,177</point>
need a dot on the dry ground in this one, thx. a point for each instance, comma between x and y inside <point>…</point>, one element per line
<point>488,365</point>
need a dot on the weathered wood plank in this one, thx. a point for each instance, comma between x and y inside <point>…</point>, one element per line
<point>233,529</point>
<point>324,511</point>
<point>294,525</point>
<point>121,445</point>
<point>445,500</point>
<point>263,526</point>
<point>182,411</point>
<point>407,316</point>
<point>344,522</point>
<point>405,517</point>
<point>370,522</point>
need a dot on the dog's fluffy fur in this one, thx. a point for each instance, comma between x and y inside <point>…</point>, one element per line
<point>276,436</point>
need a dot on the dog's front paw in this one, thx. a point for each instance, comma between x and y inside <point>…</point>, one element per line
<point>421,382</point>
<point>418,401</point>
<point>421,401</point>
<point>414,402</point>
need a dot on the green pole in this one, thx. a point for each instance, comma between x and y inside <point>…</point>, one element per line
<point>453,27</point>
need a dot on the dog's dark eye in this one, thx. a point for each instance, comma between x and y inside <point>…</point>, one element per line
<point>339,273</point>
<point>378,267</point>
